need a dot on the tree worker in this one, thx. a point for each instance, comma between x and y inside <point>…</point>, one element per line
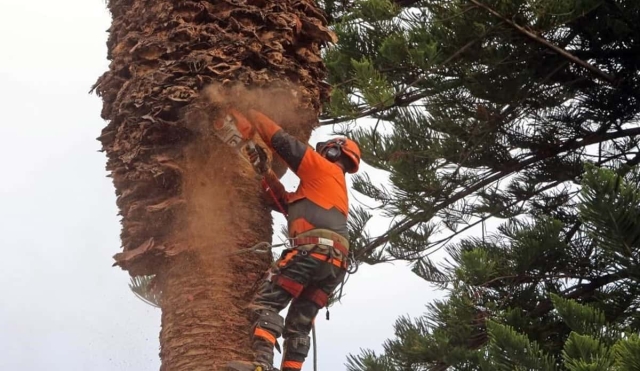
<point>310,270</point>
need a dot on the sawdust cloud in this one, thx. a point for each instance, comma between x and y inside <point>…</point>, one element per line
<point>219,186</point>
<point>223,211</point>
<point>281,101</point>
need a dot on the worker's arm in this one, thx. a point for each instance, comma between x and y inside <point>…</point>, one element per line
<point>275,195</point>
<point>300,157</point>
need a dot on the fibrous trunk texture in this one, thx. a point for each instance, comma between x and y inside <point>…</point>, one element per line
<point>186,200</point>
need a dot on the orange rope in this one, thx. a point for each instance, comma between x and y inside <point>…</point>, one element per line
<point>265,185</point>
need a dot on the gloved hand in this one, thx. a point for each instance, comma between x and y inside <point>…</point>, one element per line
<point>258,158</point>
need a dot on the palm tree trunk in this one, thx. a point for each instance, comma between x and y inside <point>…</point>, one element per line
<point>187,202</point>
<point>205,290</point>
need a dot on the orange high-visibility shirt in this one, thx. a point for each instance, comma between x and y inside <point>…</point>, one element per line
<point>321,200</point>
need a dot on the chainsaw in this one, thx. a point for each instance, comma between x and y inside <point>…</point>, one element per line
<point>237,134</point>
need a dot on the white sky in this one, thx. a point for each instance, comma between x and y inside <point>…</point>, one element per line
<point>62,305</point>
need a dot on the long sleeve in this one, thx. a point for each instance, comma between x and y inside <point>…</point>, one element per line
<point>300,157</point>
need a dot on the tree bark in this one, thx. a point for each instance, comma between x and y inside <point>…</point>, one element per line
<point>205,291</point>
<point>186,200</point>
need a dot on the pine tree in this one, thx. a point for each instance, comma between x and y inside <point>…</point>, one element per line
<point>526,298</point>
<point>483,109</point>
<point>496,109</point>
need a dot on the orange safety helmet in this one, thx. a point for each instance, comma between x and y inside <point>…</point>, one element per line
<point>333,149</point>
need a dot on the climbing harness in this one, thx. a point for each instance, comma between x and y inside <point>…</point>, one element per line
<point>263,248</point>
<point>346,262</point>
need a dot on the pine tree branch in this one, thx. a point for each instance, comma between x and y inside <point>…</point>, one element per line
<point>545,306</point>
<point>572,144</point>
<point>405,3</point>
<point>546,43</point>
<point>525,278</point>
<point>399,100</point>
<point>348,7</point>
<point>574,229</point>
<point>581,290</point>
<point>481,220</point>
<point>403,98</point>
<point>629,165</point>
<point>608,54</point>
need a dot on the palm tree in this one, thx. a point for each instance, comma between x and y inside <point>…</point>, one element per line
<point>186,201</point>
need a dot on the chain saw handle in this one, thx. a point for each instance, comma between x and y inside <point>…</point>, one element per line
<point>257,157</point>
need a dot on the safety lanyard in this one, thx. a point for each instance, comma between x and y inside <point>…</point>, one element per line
<point>266,187</point>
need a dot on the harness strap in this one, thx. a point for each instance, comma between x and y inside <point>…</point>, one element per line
<point>326,258</point>
<point>291,286</point>
<point>317,296</point>
<point>321,241</point>
<point>290,254</point>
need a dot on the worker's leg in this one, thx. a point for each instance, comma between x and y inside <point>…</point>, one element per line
<point>296,334</point>
<point>303,312</point>
<point>268,324</point>
<point>267,328</point>
<point>288,280</point>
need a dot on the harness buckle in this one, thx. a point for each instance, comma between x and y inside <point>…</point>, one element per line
<point>325,241</point>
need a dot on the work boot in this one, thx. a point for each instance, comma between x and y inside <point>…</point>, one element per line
<point>248,366</point>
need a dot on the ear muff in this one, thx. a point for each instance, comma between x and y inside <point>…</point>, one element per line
<point>331,150</point>
<point>333,153</point>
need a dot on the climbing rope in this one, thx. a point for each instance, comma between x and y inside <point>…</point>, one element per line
<point>315,347</point>
<point>259,248</point>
